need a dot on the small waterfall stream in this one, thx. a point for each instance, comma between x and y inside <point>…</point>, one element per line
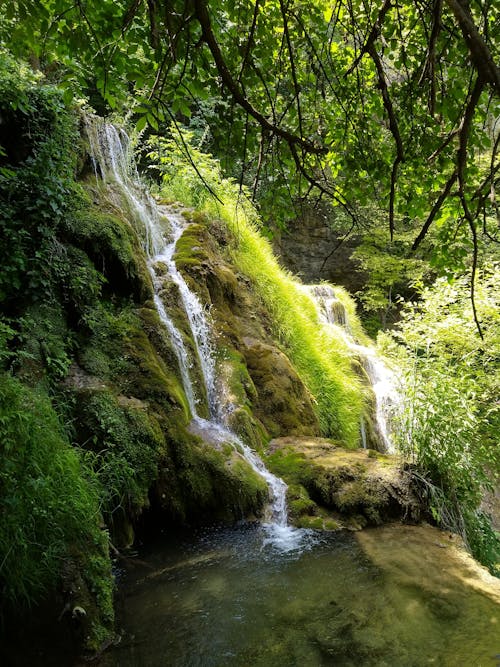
<point>383,382</point>
<point>113,161</point>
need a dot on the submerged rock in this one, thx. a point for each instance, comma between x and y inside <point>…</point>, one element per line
<point>334,487</point>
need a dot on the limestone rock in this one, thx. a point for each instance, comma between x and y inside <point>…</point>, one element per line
<point>334,487</point>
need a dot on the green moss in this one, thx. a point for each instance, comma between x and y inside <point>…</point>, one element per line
<point>342,485</point>
<point>299,502</point>
<point>205,483</point>
<point>290,465</point>
<point>282,403</point>
<point>188,250</point>
<point>128,445</point>
<point>120,351</point>
<point>112,244</point>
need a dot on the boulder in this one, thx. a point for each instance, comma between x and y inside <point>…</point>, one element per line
<point>332,487</point>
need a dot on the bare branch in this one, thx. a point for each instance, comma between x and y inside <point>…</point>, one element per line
<point>322,188</point>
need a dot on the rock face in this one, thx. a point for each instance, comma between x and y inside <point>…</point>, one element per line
<point>332,487</point>
<point>264,393</point>
<point>278,387</point>
<point>311,249</point>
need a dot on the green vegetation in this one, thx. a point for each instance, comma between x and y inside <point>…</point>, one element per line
<point>377,110</point>
<point>323,362</point>
<point>392,104</point>
<point>452,419</point>
<point>50,511</point>
<point>47,503</point>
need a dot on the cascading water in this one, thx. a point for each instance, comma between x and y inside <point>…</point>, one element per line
<point>112,158</point>
<point>383,382</point>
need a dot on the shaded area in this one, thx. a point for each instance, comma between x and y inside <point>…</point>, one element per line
<point>394,596</point>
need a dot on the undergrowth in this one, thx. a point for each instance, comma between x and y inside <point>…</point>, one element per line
<point>449,428</point>
<point>49,503</point>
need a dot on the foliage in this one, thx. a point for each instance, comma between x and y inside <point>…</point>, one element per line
<point>452,419</point>
<point>127,444</point>
<point>48,496</point>
<point>322,362</point>
<point>391,272</point>
<point>37,161</point>
<point>392,103</point>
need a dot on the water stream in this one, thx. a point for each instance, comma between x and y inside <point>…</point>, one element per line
<point>382,380</point>
<point>162,228</point>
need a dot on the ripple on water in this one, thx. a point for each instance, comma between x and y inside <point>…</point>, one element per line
<point>271,596</point>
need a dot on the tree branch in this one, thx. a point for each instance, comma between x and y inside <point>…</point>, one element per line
<point>374,33</point>
<point>437,205</point>
<point>208,37</point>
<point>479,51</point>
<point>394,128</point>
<point>249,40</point>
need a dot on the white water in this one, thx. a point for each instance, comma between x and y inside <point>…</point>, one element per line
<point>383,381</point>
<point>112,158</point>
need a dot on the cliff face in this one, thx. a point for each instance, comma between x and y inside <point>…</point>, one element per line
<point>314,251</point>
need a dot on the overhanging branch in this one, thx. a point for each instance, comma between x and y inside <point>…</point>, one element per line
<point>201,12</point>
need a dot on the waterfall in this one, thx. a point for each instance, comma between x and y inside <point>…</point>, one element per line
<point>161,229</point>
<point>331,311</point>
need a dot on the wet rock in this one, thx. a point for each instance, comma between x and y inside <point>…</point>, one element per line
<point>351,488</point>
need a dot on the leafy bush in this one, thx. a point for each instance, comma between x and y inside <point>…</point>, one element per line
<point>452,419</point>
<point>37,161</point>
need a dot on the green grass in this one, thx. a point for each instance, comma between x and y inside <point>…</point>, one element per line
<point>321,359</point>
<point>48,506</point>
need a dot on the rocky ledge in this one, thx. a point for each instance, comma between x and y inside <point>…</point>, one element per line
<point>331,487</point>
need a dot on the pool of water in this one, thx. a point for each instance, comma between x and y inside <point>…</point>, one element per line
<point>396,597</point>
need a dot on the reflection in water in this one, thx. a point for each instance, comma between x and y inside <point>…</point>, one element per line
<point>392,597</point>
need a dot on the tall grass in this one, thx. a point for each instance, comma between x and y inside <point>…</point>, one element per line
<point>47,507</point>
<point>321,359</point>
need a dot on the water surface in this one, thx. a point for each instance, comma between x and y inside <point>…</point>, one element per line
<point>395,597</point>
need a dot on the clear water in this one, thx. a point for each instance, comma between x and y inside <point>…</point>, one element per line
<point>394,598</point>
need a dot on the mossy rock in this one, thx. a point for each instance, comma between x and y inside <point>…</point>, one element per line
<point>283,403</point>
<point>208,484</point>
<point>112,244</point>
<point>357,488</point>
<point>238,393</point>
<point>119,350</point>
